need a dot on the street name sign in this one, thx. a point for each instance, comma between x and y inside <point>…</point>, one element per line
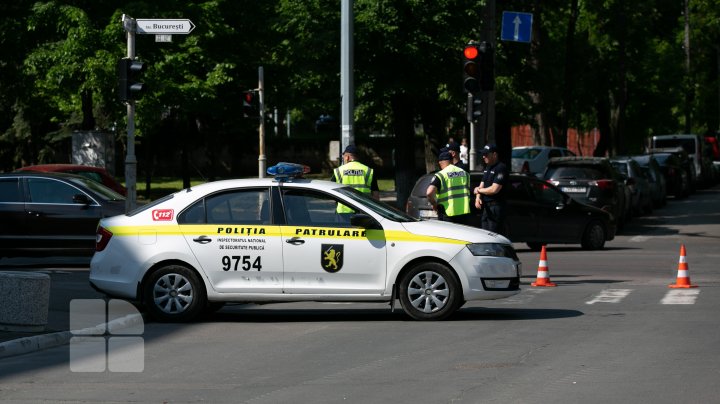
<point>164,26</point>
<point>516,26</point>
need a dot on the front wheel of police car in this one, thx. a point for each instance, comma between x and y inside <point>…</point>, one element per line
<point>174,294</point>
<point>430,291</point>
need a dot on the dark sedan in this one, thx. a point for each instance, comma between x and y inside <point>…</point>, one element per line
<point>537,213</point>
<point>52,213</point>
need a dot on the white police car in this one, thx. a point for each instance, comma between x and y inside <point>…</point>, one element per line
<point>282,240</point>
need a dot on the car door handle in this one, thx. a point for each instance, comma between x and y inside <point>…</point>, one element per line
<point>202,239</point>
<point>295,241</point>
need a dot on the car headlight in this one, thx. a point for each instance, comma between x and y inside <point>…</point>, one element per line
<point>492,250</point>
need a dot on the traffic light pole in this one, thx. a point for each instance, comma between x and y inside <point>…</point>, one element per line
<point>130,26</point>
<point>347,93</point>
<point>261,131</point>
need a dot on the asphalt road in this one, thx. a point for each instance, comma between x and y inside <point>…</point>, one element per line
<point>611,331</point>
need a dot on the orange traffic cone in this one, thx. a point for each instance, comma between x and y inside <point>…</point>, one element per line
<point>543,278</point>
<point>683,277</point>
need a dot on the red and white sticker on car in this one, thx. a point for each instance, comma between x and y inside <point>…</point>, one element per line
<point>161,215</point>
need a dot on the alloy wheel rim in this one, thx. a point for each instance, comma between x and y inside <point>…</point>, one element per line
<point>173,293</point>
<point>428,292</point>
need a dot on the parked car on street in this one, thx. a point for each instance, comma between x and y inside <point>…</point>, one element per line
<point>683,159</point>
<point>676,176</point>
<point>592,180</point>
<point>538,213</point>
<point>98,174</point>
<point>534,159</point>
<point>48,214</point>
<point>694,146</point>
<point>282,239</point>
<point>638,183</point>
<point>652,170</point>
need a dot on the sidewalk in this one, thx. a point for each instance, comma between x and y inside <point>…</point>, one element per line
<point>68,281</point>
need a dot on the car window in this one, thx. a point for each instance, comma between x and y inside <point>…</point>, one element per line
<point>554,153</point>
<point>516,190</point>
<point>43,190</point>
<point>100,189</point>
<point>621,166</point>
<point>247,206</point>
<point>544,193</point>
<point>381,208</point>
<point>10,190</point>
<point>421,185</point>
<point>528,154</point>
<point>310,208</point>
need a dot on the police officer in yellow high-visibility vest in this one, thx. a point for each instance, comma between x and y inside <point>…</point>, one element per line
<point>356,175</point>
<point>449,191</point>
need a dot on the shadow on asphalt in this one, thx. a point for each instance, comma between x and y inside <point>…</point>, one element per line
<point>259,315</point>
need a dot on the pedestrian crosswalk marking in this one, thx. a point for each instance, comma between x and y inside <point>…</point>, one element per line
<point>680,296</point>
<point>610,296</point>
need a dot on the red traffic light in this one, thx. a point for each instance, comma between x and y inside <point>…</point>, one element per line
<point>470,52</point>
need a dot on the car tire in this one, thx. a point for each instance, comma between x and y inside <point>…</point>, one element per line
<point>594,236</point>
<point>430,291</point>
<point>174,293</point>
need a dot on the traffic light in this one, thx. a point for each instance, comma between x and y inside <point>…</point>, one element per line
<point>471,68</point>
<point>250,104</point>
<point>129,87</point>
<point>474,110</point>
<point>478,66</point>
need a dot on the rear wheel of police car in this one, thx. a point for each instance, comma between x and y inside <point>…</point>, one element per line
<point>594,236</point>
<point>430,291</point>
<point>174,293</point>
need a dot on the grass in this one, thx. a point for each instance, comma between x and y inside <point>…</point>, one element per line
<point>161,186</point>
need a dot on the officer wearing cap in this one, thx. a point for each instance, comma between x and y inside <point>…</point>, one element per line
<point>454,150</point>
<point>489,196</point>
<point>449,192</point>
<point>356,175</point>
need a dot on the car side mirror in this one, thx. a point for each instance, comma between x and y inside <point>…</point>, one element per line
<point>81,199</point>
<point>364,221</point>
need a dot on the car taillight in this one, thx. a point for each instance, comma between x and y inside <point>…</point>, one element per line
<point>102,238</point>
<point>604,184</point>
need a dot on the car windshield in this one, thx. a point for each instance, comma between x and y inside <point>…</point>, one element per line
<point>100,189</point>
<point>381,208</point>
<point>525,153</point>
<point>687,144</point>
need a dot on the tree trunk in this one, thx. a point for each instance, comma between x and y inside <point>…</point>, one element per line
<point>568,85</point>
<point>403,126</point>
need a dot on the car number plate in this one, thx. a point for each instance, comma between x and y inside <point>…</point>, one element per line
<point>574,189</point>
<point>428,214</point>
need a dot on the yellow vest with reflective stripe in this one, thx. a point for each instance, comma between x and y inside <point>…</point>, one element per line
<point>453,193</point>
<point>356,175</point>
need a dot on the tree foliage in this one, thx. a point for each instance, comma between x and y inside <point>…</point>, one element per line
<point>609,64</point>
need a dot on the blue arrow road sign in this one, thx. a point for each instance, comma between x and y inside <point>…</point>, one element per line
<point>516,26</point>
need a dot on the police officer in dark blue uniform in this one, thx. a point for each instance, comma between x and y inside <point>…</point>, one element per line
<point>489,195</point>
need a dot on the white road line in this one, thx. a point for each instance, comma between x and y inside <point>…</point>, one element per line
<point>610,296</point>
<point>680,296</point>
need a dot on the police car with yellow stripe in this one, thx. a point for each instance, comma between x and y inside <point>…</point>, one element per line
<point>282,240</point>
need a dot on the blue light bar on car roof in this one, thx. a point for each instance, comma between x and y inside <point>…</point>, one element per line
<point>287,171</point>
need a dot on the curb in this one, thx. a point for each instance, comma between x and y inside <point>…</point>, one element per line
<point>25,345</point>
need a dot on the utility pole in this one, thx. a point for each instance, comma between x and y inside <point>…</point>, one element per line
<point>261,130</point>
<point>130,27</point>
<point>347,93</point>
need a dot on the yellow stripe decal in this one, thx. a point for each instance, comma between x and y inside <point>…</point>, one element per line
<point>277,231</point>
